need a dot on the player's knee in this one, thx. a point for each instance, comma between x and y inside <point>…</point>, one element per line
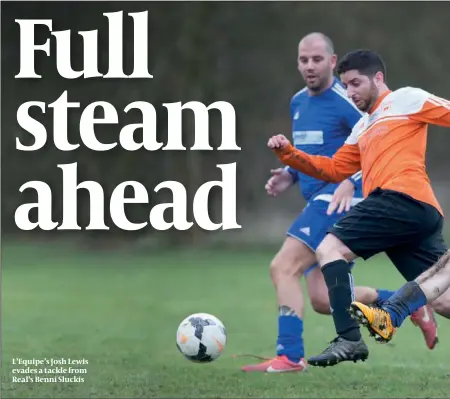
<point>321,253</point>
<point>327,251</point>
<point>331,249</point>
<point>291,261</point>
<point>288,265</point>
<point>283,267</point>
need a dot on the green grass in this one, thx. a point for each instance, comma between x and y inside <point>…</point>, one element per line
<point>121,313</point>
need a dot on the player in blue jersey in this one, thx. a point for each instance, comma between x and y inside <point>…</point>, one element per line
<point>322,119</point>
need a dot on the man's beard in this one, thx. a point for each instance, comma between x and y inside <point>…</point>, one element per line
<point>318,86</point>
<point>373,96</point>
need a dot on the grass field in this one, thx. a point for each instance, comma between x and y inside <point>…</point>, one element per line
<point>120,313</point>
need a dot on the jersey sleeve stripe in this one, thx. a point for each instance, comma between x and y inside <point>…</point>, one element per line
<point>357,176</point>
<point>440,102</point>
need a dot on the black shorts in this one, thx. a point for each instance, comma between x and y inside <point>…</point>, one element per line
<point>407,230</point>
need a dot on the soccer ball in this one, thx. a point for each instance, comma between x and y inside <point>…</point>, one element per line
<point>201,337</point>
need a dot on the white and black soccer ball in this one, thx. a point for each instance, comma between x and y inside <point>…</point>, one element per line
<point>201,337</point>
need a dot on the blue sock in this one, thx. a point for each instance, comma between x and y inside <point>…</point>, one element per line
<point>383,296</point>
<point>290,331</point>
<point>405,301</point>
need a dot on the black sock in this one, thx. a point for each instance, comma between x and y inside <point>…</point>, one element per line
<point>339,280</point>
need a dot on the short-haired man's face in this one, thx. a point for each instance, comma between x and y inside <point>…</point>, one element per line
<point>362,89</point>
<point>315,64</point>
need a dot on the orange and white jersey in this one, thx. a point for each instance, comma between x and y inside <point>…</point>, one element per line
<point>388,145</point>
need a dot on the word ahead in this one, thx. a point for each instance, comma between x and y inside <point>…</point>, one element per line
<point>117,204</point>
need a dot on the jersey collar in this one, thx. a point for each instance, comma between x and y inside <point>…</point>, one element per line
<point>379,100</point>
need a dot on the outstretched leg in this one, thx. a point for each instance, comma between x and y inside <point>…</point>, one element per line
<point>427,288</point>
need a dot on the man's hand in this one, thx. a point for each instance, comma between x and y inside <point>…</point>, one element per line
<point>278,141</point>
<point>342,198</point>
<point>280,181</point>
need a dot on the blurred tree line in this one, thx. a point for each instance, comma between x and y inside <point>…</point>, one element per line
<point>244,53</point>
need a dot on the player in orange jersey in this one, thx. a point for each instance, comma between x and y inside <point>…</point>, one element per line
<point>399,216</point>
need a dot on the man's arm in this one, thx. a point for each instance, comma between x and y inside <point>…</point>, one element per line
<point>345,162</point>
<point>435,111</point>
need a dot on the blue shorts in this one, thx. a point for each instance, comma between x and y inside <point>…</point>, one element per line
<point>310,227</point>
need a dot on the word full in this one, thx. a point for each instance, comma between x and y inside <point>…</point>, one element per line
<point>28,47</point>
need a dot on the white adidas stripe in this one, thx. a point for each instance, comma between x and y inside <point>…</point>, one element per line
<point>352,285</point>
<point>357,176</point>
<point>442,102</point>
